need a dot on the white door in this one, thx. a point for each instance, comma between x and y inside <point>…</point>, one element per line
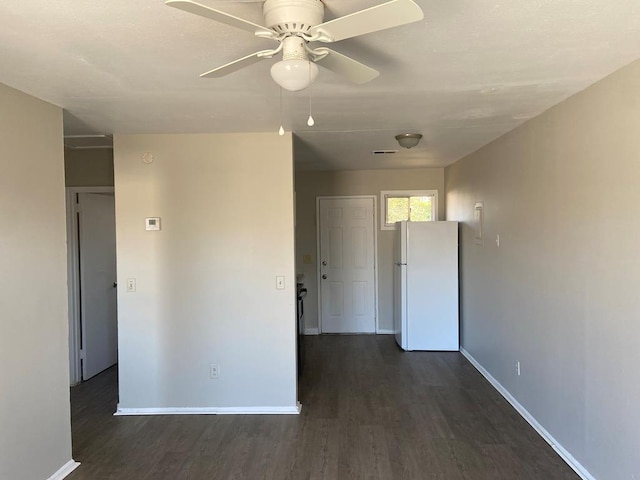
<point>98,308</point>
<point>347,265</point>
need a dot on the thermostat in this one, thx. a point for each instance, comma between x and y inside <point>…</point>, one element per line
<point>152,223</point>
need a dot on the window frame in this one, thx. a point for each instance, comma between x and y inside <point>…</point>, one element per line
<point>385,194</point>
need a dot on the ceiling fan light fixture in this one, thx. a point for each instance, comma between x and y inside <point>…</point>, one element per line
<point>408,140</point>
<point>295,23</point>
<point>294,74</point>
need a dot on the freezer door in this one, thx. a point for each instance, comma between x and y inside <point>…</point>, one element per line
<point>401,236</point>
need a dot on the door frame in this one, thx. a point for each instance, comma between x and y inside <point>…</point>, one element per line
<point>375,253</point>
<point>73,277</point>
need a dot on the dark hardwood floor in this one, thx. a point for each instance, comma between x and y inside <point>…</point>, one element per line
<point>370,411</point>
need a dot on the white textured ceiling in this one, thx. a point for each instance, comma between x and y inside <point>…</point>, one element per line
<point>471,71</point>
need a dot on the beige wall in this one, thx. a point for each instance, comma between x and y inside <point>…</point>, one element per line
<point>35,428</point>
<point>206,283</point>
<point>88,167</point>
<point>310,185</point>
<point>560,292</point>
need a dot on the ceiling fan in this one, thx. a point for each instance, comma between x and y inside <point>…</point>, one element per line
<point>296,23</point>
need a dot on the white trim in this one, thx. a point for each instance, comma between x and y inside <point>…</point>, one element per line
<point>87,147</point>
<point>73,278</point>
<point>120,412</point>
<point>65,470</point>
<point>375,255</point>
<point>99,135</point>
<point>375,261</point>
<point>385,331</point>
<point>318,264</point>
<point>560,450</point>
<point>405,193</point>
<point>311,331</point>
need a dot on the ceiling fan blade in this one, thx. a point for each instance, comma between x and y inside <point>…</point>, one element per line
<point>346,66</point>
<point>219,16</point>
<point>237,64</point>
<point>380,17</point>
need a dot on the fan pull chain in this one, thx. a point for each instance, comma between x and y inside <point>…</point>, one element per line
<point>310,121</point>
<point>281,129</point>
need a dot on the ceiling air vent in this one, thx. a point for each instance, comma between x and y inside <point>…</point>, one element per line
<point>384,152</point>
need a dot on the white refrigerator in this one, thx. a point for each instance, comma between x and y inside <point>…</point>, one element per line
<point>426,286</point>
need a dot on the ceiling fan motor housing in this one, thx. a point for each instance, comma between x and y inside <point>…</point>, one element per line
<point>293,48</point>
<point>292,16</point>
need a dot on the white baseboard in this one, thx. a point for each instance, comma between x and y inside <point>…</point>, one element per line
<point>121,412</point>
<point>383,331</point>
<point>65,470</point>
<point>316,331</point>
<point>560,450</point>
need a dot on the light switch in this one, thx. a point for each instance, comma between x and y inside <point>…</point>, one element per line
<point>131,284</point>
<point>280,282</point>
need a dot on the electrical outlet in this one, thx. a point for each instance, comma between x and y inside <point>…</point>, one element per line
<point>214,371</point>
<point>518,367</point>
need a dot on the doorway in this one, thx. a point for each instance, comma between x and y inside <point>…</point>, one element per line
<point>93,339</point>
<point>347,256</point>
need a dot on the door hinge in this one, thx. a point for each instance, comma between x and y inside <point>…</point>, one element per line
<point>82,357</point>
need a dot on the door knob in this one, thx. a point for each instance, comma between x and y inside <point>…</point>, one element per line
<point>324,263</point>
<point>324,277</point>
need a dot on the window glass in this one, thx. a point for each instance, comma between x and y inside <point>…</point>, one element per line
<point>408,205</point>
<point>420,209</point>
<point>397,209</point>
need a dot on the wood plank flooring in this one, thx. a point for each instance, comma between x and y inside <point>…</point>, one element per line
<point>370,411</point>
